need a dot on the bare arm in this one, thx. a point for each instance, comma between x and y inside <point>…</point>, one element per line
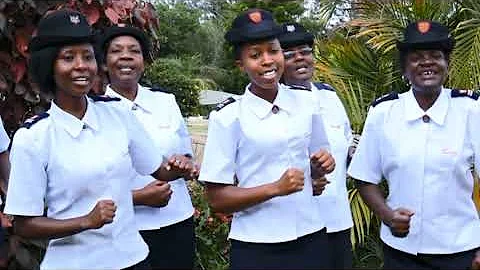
<point>4,171</point>
<point>44,227</point>
<point>228,199</point>
<point>398,219</point>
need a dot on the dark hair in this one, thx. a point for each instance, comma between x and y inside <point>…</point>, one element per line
<point>41,68</point>
<point>403,57</point>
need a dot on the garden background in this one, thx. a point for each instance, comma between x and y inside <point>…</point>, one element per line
<point>354,51</point>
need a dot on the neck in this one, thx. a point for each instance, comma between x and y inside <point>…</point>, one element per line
<point>128,91</point>
<point>266,94</point>
<point>426,97</point>
<point>76,106</point>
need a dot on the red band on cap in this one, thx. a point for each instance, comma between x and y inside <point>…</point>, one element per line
<point>423,27</point>
<point>255,17</point>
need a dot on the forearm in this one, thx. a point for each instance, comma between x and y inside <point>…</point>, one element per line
<point>228,199</point>
<point>374,198</point>
<point>138,197</point>
<point>4,170</point>
<point>49,228</point>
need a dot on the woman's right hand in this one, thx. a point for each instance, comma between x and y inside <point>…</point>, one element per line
<point>399,221</point>
<point>103,213</point>
<point>156,194</point>
<point>290,182</point>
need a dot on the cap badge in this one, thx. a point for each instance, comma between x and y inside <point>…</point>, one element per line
<point>255,17</point>
<point>75,19</point>
<point>423,27</point>
<point>290,28</point>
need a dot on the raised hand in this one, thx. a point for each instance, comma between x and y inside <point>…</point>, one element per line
<point>321,163</point>
<point>103,213</point>
<point>290,182</point>
<point>156,194</point>
<point>182,166</point>
<point>319,185</point>
<point>399,222</point>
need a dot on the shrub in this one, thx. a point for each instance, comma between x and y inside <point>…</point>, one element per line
<point>177,77</point>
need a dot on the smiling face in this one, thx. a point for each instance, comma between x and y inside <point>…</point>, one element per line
<point>426,69</point>
<point>263,63</point>
<point>298,65</point>
<point>124,60</point>
<point>74,70</point>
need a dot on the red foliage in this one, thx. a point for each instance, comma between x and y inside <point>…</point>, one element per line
<point>19,98</point>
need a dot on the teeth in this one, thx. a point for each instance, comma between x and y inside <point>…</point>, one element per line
<point>270,73</point>
<point>302,69</point>
<point>429,72</point>
<point>126,69</point>
<point>81,79</point>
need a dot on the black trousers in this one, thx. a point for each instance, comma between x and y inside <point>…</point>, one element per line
<point>339,250</point>
<point>396,259</point>
<point>307,252</point>
<point>171,247</point>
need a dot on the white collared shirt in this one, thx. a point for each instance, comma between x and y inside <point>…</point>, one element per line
<point>334,199</point>
<point>71,164</point>
<point>247,139</point>
<point>428,166</point>
<point>161,118</point>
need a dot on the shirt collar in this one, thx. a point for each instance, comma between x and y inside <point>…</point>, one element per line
<point>72,124</point>
<point>141,100</point>
<point>437,112</point>
<point>261,108</point>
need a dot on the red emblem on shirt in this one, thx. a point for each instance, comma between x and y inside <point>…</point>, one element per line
<point>255,17</point>
<point>423,27</point>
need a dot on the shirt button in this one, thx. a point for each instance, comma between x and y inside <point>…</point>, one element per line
<point>426,118</point>
<point>275,109</point>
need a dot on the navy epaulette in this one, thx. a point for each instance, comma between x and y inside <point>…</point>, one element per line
<point>104,98</point>
<point>158,89</point>
<point>390,96</point>
<point>323,86</point>
<point>34,119</point>
<point>465,93</point>
<point>224,103</point>
<point>298,87</point>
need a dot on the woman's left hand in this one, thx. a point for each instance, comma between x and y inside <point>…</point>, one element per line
<point>182,166</point>
<point>321,163</point>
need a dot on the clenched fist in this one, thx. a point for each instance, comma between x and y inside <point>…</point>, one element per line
<point>399,222</point>
<point>319,185</point>
<point>156,194</point>
<point>103,213</point>
<point>290,182</point>
<point>321,163</point>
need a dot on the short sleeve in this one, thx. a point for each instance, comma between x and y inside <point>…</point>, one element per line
<point>366,162</point>
<point>218,165</point>
<point>4,139</point>
<point>146,156</point>
<point>28,178</point>
<point>182,132</point>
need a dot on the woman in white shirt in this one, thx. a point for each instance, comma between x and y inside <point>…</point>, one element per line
<point>73,159</point>
<point>425,143</point>
<point>261,154</point>
<point>297,45</point>
<point>125,50</point>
